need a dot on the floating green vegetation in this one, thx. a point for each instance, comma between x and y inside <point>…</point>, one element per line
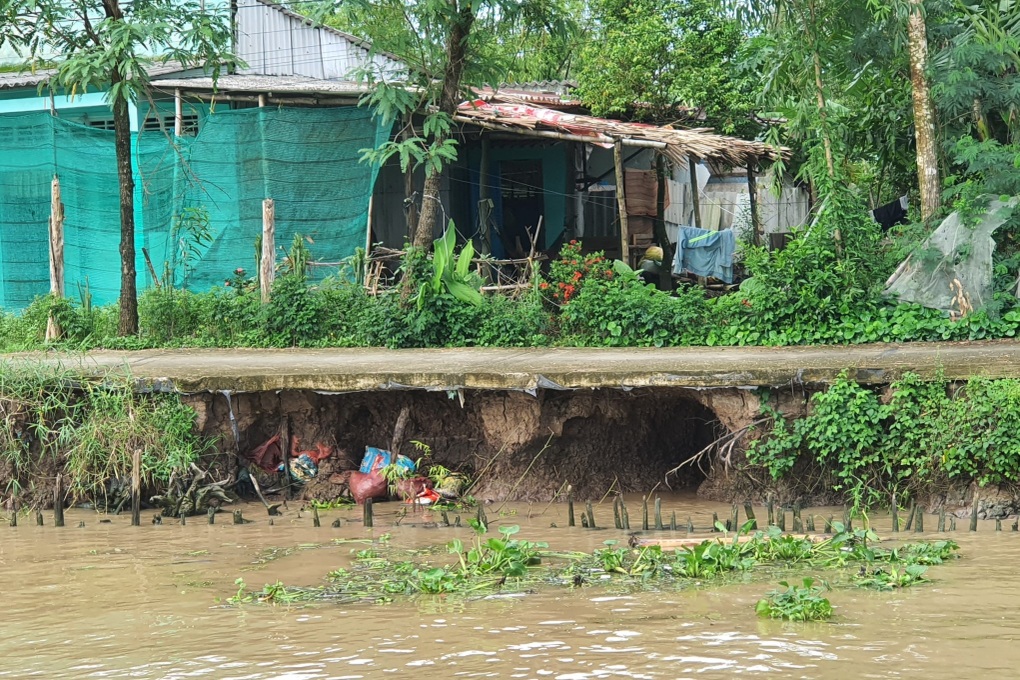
<point>796,603</point>
<point>381,572</point>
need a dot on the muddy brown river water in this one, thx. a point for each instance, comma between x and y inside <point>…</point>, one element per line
<point>115,601</point>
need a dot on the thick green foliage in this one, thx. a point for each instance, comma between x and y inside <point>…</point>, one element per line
<point>54,420</point>
<point>923,433</point>
<point>807,293</point>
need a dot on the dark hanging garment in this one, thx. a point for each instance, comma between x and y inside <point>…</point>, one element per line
<point>891,214</point>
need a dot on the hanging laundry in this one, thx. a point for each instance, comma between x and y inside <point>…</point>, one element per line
<point>705,253</point>
<point>891,214</point>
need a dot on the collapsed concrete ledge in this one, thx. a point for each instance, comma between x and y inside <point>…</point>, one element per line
<point>532,369</point>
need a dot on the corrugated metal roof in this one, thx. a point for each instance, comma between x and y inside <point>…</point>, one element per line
<point>10,81</point>
<point>254,83</point>
<point>273,40</point>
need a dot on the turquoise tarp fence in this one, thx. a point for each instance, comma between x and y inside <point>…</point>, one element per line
<point>307,160</point>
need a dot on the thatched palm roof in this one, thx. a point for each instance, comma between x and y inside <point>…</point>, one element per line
<point>678,144</point>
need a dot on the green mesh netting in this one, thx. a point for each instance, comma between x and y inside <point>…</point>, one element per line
<point>307,160</point>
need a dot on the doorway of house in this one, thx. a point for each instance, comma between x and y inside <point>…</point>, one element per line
<point>523,203</point>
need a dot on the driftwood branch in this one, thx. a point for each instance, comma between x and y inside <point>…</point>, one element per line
<point>724,444</point>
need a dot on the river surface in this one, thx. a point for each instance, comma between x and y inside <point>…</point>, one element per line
<point>108,600</point>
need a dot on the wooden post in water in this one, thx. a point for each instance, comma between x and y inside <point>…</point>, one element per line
<point>570,506</point>
<point>770,508</point>
<point>483,518</point>
<point>798,526</point>
<point>617,518</point>
<point>621,203</point>
<point>828,525</point>
<point>749,511</point>
<point>998,524</point>
<point>445,517</point>
<point>715,521</point>
<point>942,519</point>
<point>184,519</point>
<point>58,502</point>
<point>238,517</point>
<point>38,518</point>
<point>895,515</point>
<point>672,521</point>
<point>658,513</point>
<point>690,526</point>
<point>267,263</point>
<point>910,516</point>
<point>781,523</point>
<point>584,521</point>
<point>973,515</point>
<point>919,523</point>
<point>315,517</point>
<point>626,515</point>
<point>735,517</point>
<point>846,518</point>
<point>591,514</point>
<point>366,512</point>
<point>212,515</point>
<point>14,516</point>
<point>810,524</point>
<point>136,488</point>
<point>644,513</point>
<point>1016,525</point>
<point>53,330</point>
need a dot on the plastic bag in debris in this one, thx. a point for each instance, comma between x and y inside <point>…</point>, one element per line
<point>952,270</point>
<point>302,468</point>
<point>377,459</point>
<point>367,485</point>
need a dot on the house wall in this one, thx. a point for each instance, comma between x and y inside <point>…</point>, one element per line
<point>275,42</point>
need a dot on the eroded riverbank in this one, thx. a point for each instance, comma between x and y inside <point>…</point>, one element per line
<point>111,601</point>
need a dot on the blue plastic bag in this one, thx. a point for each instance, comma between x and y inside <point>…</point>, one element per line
<point>377,459</point>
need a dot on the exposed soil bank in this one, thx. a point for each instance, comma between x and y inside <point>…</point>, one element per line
<point>598,440</point>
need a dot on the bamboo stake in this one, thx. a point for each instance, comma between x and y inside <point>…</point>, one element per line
<point>919,524</point>
<point>690,526</point>
<point>56,240</point>
<point>267,264</point>
<point>238,517</point>
<point>14,517</point>
<point>973,515</point>
<point>591,514</point>
<point>617,518</point>
<point>38,518</point>
<point>644,513</point>
<point>798,525</point>
<point>810,524</point>
<point>315,517</point>
<point>910,516</point>
<point>781,518</point>
<point>626,516</point>
<point>770,509</point>
<point>715,521</point>
<point>58,502</point>
<point>570,506</point>
<point>735,517</point>
<point>136,488</point>
<point>621,202</point>
<point>895,516</point>
<point>212,515</point>
<point>658,513</point>
<point>749,511</point>
<point>998,524</point>
<point>672,521</point>
<point>942,519</point>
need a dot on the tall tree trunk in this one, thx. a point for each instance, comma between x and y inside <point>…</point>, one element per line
<point>448,100</point>
<point>128,324</point>
<point>924,118</point>
<point>128,288</point>
<point>816,58</point>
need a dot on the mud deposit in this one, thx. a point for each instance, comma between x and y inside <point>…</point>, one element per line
<point>530,446</point>
<point>114,601</point>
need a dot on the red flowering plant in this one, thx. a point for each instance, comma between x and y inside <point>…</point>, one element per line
<point>569,272</point>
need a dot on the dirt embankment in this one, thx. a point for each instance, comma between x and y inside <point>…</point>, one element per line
<point>521,447</point>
